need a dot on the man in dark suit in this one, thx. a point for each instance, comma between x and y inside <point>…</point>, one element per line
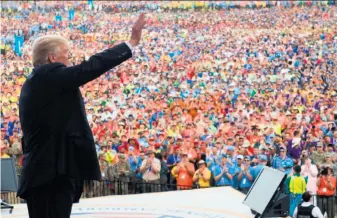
<point>58,145</point>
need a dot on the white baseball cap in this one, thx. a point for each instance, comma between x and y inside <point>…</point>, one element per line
<point>239,157</point>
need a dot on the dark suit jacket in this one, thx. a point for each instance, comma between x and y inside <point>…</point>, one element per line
<point>57,137</point>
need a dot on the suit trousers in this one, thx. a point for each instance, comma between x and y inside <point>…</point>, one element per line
<point>52,200</point>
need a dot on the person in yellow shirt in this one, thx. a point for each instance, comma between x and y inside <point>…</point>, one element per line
<point>199,4</point>
<point>13,99</point>
<point>310,97</point>
<point>203,175</point>
<point>173,131</point>
<point>298,106</point>
<point>277,127</point>
<point>3,153</point>
<point>6,107</point>
<point>5,156</point>
<point>21,80</point>
<point>109,156</point>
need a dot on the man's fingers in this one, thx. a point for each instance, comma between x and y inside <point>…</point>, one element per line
<point>140,19</point>
<point>140,23</point>
<point>142,16</point>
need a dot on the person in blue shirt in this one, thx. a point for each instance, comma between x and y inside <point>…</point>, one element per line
<point>140,159</point>
<point>115,142</point>
<point>262,159</point>
<point>137,187</point>
<point>213,159</point>
<point>282,162</point>
<point>133,160</point>
<point>98,147</point>
<point>174,158</point>
<point>231,154</point>
<point>223,173</point>
<point>245,176</point>
<point>237,170</point>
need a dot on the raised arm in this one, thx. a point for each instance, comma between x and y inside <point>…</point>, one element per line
<point>62,77</point>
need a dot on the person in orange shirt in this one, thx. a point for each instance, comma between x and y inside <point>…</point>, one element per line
<point>190,151</point>
<point>184,171</point>
<point>326,184</point>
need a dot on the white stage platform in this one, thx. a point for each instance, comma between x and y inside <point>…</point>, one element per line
<point>222,202</point>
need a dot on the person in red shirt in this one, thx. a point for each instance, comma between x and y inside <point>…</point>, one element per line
<point>326,184</point>
<point>252,134</point>
<point>135,144</point>
<point>244,150</point>
<point>124,145</point>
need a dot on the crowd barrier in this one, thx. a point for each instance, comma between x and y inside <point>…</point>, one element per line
<point>106,188</point>
<point>119,187</point>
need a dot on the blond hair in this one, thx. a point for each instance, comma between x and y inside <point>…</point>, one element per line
<point>45,45</point>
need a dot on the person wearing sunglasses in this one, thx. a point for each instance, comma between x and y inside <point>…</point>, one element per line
<point>282,162</point>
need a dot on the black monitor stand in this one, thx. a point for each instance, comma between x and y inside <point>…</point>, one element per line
<point>8,180</point>
<point>278,207</point>
<point>5,206</point>
<point>278,203</point>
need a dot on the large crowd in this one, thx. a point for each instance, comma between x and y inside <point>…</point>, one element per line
<point>215,91</point>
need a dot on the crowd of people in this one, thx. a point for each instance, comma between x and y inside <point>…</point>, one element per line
<point>215,91</point>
